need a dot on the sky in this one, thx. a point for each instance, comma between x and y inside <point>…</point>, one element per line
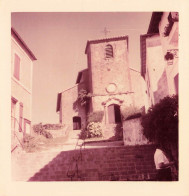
<point>58,40</point>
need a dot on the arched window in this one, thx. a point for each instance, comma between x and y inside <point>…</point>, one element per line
<point>109,51</point>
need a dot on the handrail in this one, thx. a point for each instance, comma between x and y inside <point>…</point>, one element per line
<point>16,134</point>
<point>75,160</point>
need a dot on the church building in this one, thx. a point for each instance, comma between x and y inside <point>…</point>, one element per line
<point>113,86</point>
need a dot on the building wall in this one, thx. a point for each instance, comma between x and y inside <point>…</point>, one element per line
<point>170,43</point>
<point>162,75</point>
<point>21,89</point>
<point>69,107</point>
<point>155,65</point>
<point>103,72</point>
<point>138,88</point>
<point>132,133</point>
<point>129,85</point>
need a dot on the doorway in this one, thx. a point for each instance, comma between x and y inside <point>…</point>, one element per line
<point>114,114</point>
<point>76,123</point>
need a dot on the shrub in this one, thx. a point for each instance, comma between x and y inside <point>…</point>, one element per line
<point>84,134</point>
<point>29,143</point>
<point>118,132</point>
<point>160,124</point>
<point>95,116</point>
<point>52,126</point>
<point>94,129</point>
<point>39,129</point>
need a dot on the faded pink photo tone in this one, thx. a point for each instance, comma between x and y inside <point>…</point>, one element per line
<point>58,40</point>
<point>94,96</point>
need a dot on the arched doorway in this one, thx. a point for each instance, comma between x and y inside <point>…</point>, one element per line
<point>76,123</point>
<point>114,114</point>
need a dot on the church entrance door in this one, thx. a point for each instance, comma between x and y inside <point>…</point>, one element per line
<point>76,123</point>
<point>114,114</point>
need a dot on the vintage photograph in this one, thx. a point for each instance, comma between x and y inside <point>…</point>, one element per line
<point>94,96</point>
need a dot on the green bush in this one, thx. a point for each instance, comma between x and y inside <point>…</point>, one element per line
<point>94,129</point>
<point>94,126</point>
<point>39,129</point>
<point>52,126</point>
<point>160,124</point>
<point>29,143</point>
<point>84,134</point>
<point>95,116</point>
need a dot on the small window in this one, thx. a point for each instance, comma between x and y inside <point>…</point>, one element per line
<point>16,66</point>
<point>109,51</point>
<point>76,123</point>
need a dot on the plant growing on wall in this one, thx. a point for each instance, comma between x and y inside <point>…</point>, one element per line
<point>169,56</point>
<point>83,97</point>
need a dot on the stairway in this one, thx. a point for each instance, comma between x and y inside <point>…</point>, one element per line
<point>104,163</point>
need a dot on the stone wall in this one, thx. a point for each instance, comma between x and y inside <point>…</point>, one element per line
<point>105,71</point>
<point>132,133</point>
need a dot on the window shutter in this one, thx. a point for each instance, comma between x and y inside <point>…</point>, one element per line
<point>109,51</point>
<point>17,67</point>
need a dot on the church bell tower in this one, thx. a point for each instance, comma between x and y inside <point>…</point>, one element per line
<point>108,70</point>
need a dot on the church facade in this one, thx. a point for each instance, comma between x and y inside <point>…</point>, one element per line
<point>113,86</point>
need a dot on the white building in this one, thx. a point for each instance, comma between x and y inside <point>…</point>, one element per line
<point>21,88</point>
<point>159,56</point>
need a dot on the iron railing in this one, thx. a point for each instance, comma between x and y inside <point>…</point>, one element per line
<point>14,132</point>
<point>73,169</point>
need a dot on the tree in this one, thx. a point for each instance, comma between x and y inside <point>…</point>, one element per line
<point>160,124</point>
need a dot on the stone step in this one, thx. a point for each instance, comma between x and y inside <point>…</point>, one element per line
<point>112,163</point>
<point>101,144</point>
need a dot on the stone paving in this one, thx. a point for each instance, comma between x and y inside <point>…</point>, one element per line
<point>97,161</point>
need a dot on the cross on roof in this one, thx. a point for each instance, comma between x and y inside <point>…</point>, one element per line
<point>105,31</point>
